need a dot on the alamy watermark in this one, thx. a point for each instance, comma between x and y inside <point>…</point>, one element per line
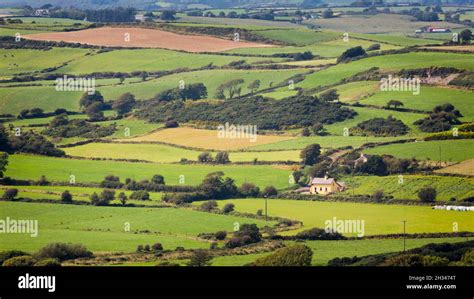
<point>352,226</point>
<point>400,84</point>
<point>19,226</point>
<point>237,132</point>
<point>76,84</point>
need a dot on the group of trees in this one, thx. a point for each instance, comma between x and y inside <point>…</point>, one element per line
<point>27,142</point>
<point>220,158</point>
<point>194,91</point>
<point>62,127</point>
<point>116,15</point>
<point>352,53</point>
<point>441,119</point>
<point>266,15</point>
<point>382,127</point>
<point>92,105</point>
<point>232,88</point>
<point>262,112</point>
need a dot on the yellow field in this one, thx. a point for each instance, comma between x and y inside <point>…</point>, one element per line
<point>465,167</point>
<point>469,48</point>
<point>205,139</point>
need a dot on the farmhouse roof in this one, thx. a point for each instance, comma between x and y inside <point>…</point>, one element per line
<point>322,181</point>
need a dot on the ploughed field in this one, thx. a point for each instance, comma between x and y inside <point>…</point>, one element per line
<point>145,38</point>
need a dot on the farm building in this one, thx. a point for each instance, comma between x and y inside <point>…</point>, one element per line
<point>361,160</point>
<point>325,186</point>
<point>429,29</point>
<point>41,13</point>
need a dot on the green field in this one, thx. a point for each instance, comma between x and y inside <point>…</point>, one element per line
<point>428,98</point>
<point>336,73</point>
<point>298,37</point>
<point>447,187</point>
<point>378,218</point>
<point>168,154</point>
<point>147,60</point>
<point>450,150</point>
<point>59,169</point>
<point>78,193</point>
<point>102,229</point>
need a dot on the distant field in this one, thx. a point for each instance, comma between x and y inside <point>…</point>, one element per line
<point>15,61</point>
<point>147,60</point>
<point>336,73</point>
<point>368,113</point>
<point>102,229</point>
<point>298,37</point>
<point>465,167</point>
<point>355,91</point>
<point>379,219</point>
<point>207,139</point>
<point>451,150</point>
<point>144,38</point>
<point>167,154</point>
<point>58,169</point>
<point>428,98</point>
<point>78,193</point>
<point>395,39</point>
<point>324,141</point>
<point>446,187</point>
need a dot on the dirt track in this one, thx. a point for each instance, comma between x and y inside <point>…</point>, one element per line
<point>145,38</point>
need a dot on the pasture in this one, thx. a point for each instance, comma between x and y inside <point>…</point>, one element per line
<point>161,153</point>
<point>59,169</point>
<point>103,229</point>
<point>378,218</point>
<point>205,139</point>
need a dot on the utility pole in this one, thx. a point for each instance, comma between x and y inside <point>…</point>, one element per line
<point>404,235</point>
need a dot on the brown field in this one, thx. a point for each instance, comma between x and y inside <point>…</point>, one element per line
<point>204,139</point>
<point>465,167</point>
<point>145,38</point>
<point>469,48</point>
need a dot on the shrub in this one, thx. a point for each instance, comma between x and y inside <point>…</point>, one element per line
<point>10,194</point>
<point>220,235</point>
<point>205,157</point>
<point>373,47</point>
<point>427,194</point>
<point>378,195</point>
<point>222,158</point>
<point>269,191</point>
<point>249,190</point>
<point>228,208</point>
<point>294,256</point>
<point>247,234</point>
<point>111,182</point>
<point>310,154</point>
<point>157,247</point>
<point>63,251</point>
<point>122,198</point>
<point>319,234</point>
<point>5,255</point>
<point>380,127</point>
<point>415,260</point>
<point>208,205</point>
<point>351,53</point>
<point>20,261</point>
<point>140,195</point>
<point>66,196</point>
<point>200,258</point>
<point>48,263</point>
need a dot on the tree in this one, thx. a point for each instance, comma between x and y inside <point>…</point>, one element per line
<point>378,195</point>
<point>122,198</point>
<point>94,111</point>
<point>4,142</point>
<point>293,256</point>
<point>124,103</point>
<point>328,13</point>
<point>88,99</point>
<point>222,158</point>
<point>63,251</point>
<point>427,194</point>
<point>254,85</point>
<point>228,208</point>
<point>329,96</point>
<point>269,191</point>
<point>231,86</point>
<point>374,165</point>
<point>140,195</point>
<point>168,15</point>
<point>200,258</point>
<point>249,190</point>
<point>66,196</point>
<point>465,36</point>
<point>158,179</point>
<point>351,53</point>
<point>310,154</point>
<point>3,163</point>
<point>305,132</point>
<point>205,157</point>
<point>209,205</point>
<point>394,103</point>
<point>318,129</point>
<point>157,247</point>
<point>10,194</point>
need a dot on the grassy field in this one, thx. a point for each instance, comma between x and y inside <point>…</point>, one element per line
<point>336,73</point>
<point>379,219</point>
<point>428,98</point>
<point>15,61</point>
<point>168,154</point>
<point>396,39</point>
<point>355,91</point>
<point>146,60</point>
<point>450,150</point>
<point>58,169</point>
<point>207,139</point>
<point>102,229</point>
<point>324,141</point>
<point>447,187</point>
<point>465,167</point>
<point>368,113</point>
<point>298,37</point>
<point>78,193</point>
